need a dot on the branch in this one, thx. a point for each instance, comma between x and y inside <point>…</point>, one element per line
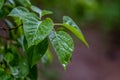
<point>2,28</point>
<point>4,37</point>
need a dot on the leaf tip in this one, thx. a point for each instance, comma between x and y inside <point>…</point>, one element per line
<point>64,66</point>
<point>86,43</point>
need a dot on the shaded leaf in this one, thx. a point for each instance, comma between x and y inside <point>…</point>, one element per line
<point>63,45</point>
<point>21,42</point>
<point>15,71</point>
<point>47,57</point>
<point>25,3</point>
<point>5,76</point>
<point>71,25</point>
<point>33,73</point>
<point>10,3</point>
<point>40,12</point>
<point>1,57</point>
<point>1,3</point>
<point>8,57</point>
<point>9,23</point>
<point>2,13</point>
<point>37,51</point>
<point>24,67</point>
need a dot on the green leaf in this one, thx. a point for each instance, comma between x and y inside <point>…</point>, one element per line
<point>46,12</point>
<point>36,9</point>
<point>2,69</point>
<point>1,3</point>
<point>36,31</point>
<point>37,51</point>
<point>40,12</point>
<point>8,57</point>
<point>2,13</point>
<point>14,71</point>
<point>47,57</point>
<point>19,12</point>
<point>10,3</point>
<point>9,23</point>
<point>21,42</point>
<point>71,25</point>
<point>5,76</point>
<point>22,13</point>
<point>33,73</point>
<point>24,67</point>
<point>25,3</point>
<point>63,45</point>
<point>18,21</point>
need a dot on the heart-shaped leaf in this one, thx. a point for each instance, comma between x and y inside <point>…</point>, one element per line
<point>36,31</point>
<point>71,25</point>
<point>63,45</point>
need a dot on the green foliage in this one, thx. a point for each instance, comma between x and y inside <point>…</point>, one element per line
<point>37,51</point>
<point>63,45</point>
<point>71,25</point>
<point>1,3</point>
<point>105,12</point>
<point>29,41</point>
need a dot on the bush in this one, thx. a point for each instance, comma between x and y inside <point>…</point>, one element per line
<point>27,38</point>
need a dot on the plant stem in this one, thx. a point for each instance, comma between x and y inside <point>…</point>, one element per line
<point>58,24</point>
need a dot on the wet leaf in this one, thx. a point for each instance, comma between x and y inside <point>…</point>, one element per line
<point>71,25</point>
<point>36,31</point>
<point>63,45</point>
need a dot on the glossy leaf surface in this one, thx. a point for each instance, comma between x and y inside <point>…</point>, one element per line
<point>36,31</point>
<point>63,45</point>
<point>71,25</point>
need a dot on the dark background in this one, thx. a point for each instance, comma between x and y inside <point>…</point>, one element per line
<point>99,21</point>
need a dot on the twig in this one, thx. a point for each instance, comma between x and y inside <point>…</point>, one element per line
<point>2,28</point>
<point>57,24</point>
<point>4,37</point>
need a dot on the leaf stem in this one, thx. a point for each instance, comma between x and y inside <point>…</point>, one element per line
<point>58,24</point>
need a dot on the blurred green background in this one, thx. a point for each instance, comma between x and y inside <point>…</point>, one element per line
<point>105,13</point>
<point>99,21</point>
